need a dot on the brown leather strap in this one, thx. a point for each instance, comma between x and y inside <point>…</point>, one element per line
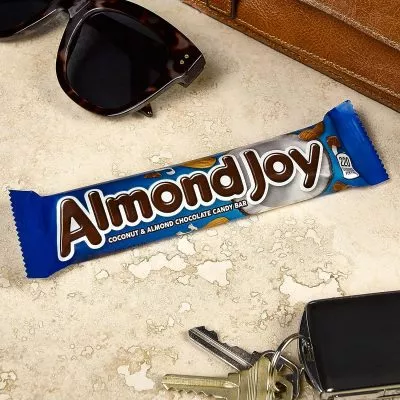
<point>226,7</point>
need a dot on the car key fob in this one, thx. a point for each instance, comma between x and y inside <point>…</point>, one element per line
<point>350,346</point>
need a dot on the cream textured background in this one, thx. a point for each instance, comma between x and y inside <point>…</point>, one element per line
<point>110,328</point>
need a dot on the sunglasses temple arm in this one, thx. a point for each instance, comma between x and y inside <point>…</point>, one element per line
<point>146,110</point>
<point>187,79</point>
<point>194,71</point>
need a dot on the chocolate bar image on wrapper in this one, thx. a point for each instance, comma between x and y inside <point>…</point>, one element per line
<point>70,227</point>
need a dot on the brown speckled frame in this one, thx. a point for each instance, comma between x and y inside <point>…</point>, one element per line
<point>180,49</point>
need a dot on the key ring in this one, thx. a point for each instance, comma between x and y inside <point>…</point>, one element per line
<point>271,387</point>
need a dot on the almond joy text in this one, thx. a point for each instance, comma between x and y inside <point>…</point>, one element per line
<point>90,222</point>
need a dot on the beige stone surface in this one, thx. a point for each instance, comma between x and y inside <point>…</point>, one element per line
<point>112,327</point>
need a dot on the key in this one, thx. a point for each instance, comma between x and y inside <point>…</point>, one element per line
<point>232,355</point>
<point>241,359</point>
<point>350,346</point>
<point>248,384</point>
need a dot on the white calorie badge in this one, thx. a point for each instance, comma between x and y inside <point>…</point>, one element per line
<point>344,162</point>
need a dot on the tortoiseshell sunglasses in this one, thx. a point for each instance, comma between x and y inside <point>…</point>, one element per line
<point>115,56</point>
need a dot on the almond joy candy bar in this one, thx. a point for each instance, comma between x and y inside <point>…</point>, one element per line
<point>66,228</point>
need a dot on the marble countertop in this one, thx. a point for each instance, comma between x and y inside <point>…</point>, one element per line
<point>112,327</point>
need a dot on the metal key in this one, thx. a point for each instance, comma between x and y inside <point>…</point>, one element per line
<point>249,384</point>
<point>241,359</point>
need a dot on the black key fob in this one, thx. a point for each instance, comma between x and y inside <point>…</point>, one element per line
<point>350,346</point>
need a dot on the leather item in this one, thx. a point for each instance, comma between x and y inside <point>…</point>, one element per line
<point>356,42</point>
<point>226,7</point>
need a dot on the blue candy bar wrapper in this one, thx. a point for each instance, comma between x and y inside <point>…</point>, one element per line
<point>59,230</point>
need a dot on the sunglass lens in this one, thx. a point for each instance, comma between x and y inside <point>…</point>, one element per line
<point>114,59</point>
<point>16,14</point>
